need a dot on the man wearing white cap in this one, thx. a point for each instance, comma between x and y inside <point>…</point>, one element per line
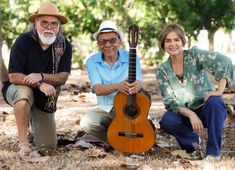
<point>108,72</point>
<point>40,62</point>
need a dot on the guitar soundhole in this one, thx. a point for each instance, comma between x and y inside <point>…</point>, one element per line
<point>131,111</point>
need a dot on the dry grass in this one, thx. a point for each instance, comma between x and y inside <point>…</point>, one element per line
<point>70,158</point>
<point>77,159</point>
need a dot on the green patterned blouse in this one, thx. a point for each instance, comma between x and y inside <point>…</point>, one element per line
<point>196,82</point>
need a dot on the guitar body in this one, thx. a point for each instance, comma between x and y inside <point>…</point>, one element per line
<point>130,131</point>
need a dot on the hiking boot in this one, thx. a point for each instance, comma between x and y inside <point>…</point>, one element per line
<point>24,149</point>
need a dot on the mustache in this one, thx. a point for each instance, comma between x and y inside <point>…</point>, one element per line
<point>48,32</point>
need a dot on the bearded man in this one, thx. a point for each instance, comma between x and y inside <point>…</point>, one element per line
<point>40,62</point>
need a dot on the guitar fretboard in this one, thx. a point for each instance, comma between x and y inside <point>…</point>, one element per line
<point>132,65</point>
<point>132,74</point>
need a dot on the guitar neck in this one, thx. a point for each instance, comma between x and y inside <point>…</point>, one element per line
<point>132,65</point>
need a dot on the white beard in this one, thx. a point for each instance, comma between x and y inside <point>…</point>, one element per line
<point>46,40</point>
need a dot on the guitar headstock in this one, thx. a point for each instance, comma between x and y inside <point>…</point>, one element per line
<point>133,36</point>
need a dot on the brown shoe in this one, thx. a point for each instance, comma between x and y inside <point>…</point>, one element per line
<point>24,149</point>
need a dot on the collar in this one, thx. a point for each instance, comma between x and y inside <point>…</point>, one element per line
<point>122,56</point>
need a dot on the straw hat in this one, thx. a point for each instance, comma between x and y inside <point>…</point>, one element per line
<point>50,9</point>
<point>108,26</point>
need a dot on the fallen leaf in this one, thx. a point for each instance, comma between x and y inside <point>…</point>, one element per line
<point>37,159</point>
<point>83,144</point>
<point>230,109</point>
<point>77,122</point>
<point>129,163</point>
<point>95,153</point>
<point>144,167</point>
<point>89,138</point>
<point>181,154</point>
<point>163,144</point>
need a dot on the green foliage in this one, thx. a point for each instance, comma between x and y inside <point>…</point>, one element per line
<point>13,18</point>
<point>151,15</point>
<point>211,15</point>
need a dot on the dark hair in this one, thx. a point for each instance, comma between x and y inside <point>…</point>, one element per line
<point>169,28</point>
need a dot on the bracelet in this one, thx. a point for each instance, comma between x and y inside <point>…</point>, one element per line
<point>42,76</point>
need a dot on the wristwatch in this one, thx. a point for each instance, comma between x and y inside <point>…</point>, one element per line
<point>38,84</point>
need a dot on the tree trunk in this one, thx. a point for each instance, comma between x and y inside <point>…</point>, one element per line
<point>189,40</point>
<point>211,34</point>
<point>1,58</point>
<point>3,70</point>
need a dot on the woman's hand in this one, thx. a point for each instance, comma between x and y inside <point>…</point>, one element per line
<point>212,93</point>
<point>193,118</point>
<point>220,90</point>
<point>196,123</point>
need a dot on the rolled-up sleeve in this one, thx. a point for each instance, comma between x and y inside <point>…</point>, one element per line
<point>217,64</point>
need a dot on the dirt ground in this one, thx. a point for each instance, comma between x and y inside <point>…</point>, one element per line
<point>77,150</point>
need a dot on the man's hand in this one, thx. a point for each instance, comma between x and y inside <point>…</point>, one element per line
<point>47,89</point>
<point>32,79</point>
<point>123,86</point>
<point>135,87</point>
<point>130,88</point>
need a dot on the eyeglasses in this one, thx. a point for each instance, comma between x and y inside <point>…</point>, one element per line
<point>52,24</point>
<point>104,42</point>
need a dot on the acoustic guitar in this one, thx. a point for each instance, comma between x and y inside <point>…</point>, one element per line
<point>130,131</point>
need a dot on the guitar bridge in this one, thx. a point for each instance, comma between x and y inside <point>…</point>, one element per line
<point>130,134</point>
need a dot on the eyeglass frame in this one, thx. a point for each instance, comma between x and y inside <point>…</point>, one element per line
<point>49,23</point>
<point>105,41</point>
